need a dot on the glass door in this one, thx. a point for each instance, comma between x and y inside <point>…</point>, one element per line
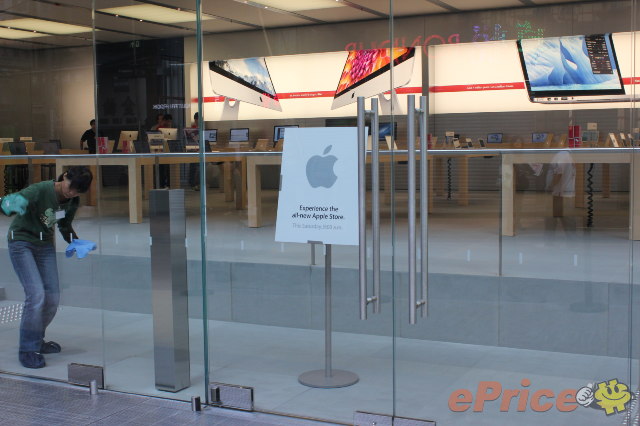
<point>287,331</point>
<point>530,225</point>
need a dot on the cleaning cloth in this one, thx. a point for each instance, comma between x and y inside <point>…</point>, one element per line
<point>14,203</point>
<point>80,247</point>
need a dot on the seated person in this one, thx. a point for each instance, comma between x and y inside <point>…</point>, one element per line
<point>159,122</point>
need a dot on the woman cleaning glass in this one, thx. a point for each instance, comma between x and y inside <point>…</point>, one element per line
<point>31,248</point>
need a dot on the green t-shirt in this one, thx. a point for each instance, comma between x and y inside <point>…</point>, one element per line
<point>40,217</point>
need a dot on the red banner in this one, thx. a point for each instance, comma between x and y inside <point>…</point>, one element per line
<point>307,95</point>
<point>477,87</point>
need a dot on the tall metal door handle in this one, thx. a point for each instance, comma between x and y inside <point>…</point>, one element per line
<point>362,212</point>
<point>375,202</point>
<point>411,187</point>
<point>414,303</point>
<point>424,205</point>
<point>362,209</point>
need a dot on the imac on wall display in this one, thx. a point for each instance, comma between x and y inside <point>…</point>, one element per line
<point>278,131</point>
<point>365,73</point>
<point>245,80</point>
<point>580,68</point>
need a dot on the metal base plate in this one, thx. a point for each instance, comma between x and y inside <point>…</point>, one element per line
<point>338,379</point>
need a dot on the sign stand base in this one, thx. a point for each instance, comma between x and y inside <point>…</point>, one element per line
<point>328,378</point>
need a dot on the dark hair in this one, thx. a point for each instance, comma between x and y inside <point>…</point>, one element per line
<point>196,116</point>
<point>80,177</point>
<point>92,122</point>
<point>168,117</point>
<point>159,115</point>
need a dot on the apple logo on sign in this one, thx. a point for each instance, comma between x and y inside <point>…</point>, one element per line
<point>320,169</point>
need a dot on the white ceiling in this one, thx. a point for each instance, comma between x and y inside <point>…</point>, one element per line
<point>222,16</point>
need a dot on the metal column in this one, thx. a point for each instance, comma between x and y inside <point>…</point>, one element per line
<point>169,289</point>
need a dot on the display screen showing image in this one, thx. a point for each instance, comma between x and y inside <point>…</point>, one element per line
<point>278,131</point>
<point>570,65</point>
<point>239,135</point>
<point>538,137</point>
<point>211,135</point>
<point>362,65</point>
<point>494,138</point>
<point>385,130</point>
<point>250,72</point>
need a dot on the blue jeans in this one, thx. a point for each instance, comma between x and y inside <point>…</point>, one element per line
<point>37,271</point>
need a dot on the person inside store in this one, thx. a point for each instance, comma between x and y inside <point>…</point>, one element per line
<point>561,179</point>
<point>167,122</point>
<point>159,122</point>
<point>163,121</point>
<point>194,168</point>
<point>36,210</point>
<point>89,136</point>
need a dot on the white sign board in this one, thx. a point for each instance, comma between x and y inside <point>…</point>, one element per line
<point>318,198</point>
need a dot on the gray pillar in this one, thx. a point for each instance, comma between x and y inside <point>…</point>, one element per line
<point>169,289</point>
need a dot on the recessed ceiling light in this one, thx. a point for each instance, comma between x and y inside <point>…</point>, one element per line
<point>17,34</point>
<point>43,26</point>
<point>153,13</point>
<point>297,5</point>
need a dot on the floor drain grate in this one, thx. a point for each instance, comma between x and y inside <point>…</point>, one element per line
<point>11,313</point>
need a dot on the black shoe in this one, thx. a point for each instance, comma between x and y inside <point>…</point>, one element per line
<point>31,359</point>
<point>50,348</point>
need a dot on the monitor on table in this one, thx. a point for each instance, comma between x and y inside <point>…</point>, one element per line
<point>239,135</point>
<point>17,148</point>
<point>278,131</point>
<point>385,129</point>
<point>538,137</point>
<point>494,138</point>
<point>169,133</point>
<point>176,146</point>
<point>211,135</point>
<point>141,146</point>
<point>49,148</point>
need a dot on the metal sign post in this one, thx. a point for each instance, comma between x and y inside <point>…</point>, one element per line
<point>328,378</point>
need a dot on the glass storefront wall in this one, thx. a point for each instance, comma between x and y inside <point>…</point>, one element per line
<point>527,246</point>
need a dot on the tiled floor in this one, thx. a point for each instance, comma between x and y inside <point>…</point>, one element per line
<point>29,402</point>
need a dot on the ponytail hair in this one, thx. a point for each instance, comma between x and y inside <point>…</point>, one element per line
<point>80,177</point>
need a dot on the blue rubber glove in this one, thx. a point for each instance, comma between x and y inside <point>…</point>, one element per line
<point>80,247</point>
<point>14,203</point>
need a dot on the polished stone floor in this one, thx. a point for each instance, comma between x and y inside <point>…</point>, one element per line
<point>463,240</point>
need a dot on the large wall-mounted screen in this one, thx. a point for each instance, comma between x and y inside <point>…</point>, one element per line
<point>363,73</point>
<point>245,80</point>
<point>570,66</point>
